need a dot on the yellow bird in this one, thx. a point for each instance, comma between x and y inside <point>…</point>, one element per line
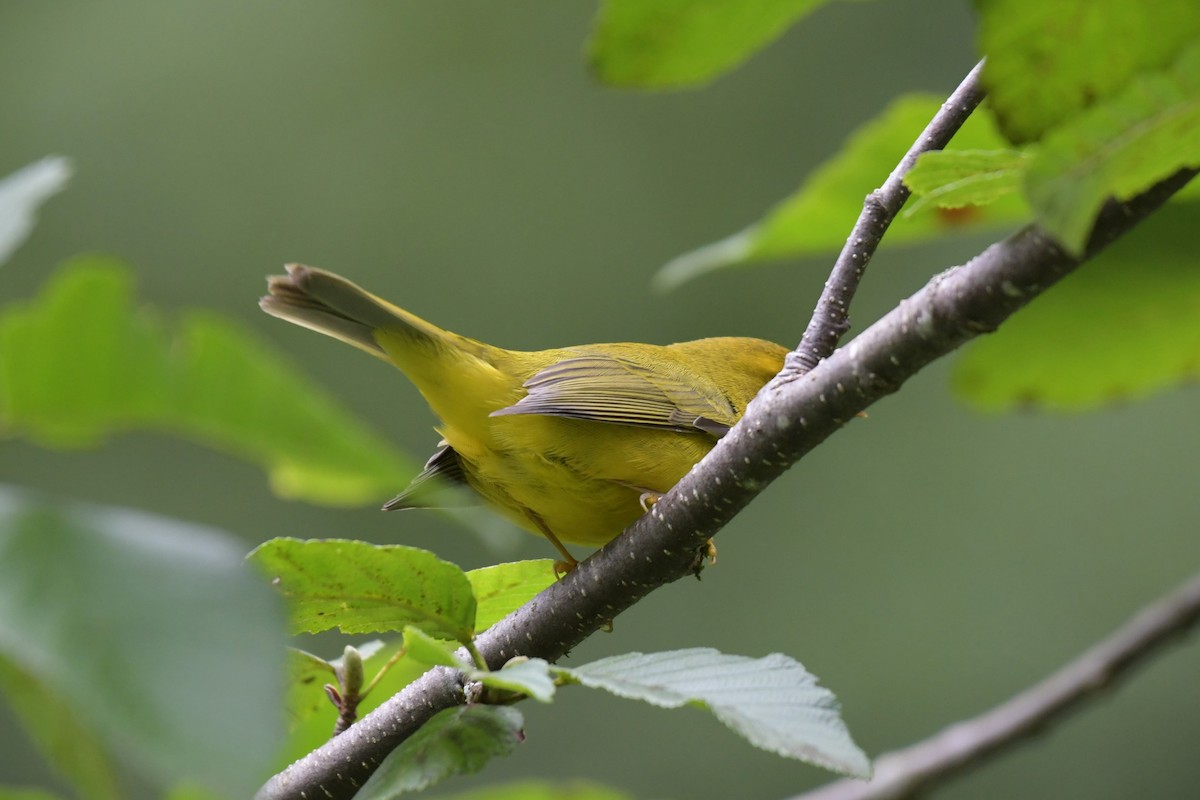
<point>571,443</point>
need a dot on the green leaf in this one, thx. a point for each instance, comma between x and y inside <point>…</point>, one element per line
<point>1124,326</point>
<point>541,790</point>
<point>20,195</point>
<point>1048,61</point>
<point>69,746</point>
<point>503,588</point>
<point>428,650</point>
<point>11,793</point>
<point>773,702</point>
<point>312,716</point>
<point>81,362</point>
<point>363,588</point>
<point>957,178</point>
<point>1117,149</point>
<point>678,43</point>
<point>153,631</point>
<point>456,741</point>
<point>529,676</point>
<point>817,218</point>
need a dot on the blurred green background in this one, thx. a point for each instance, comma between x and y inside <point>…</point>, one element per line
<point>454,156</point>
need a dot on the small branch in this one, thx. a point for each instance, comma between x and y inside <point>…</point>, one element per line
<point>788,419</point>
<point>831,318</point>
<point>905,773</point>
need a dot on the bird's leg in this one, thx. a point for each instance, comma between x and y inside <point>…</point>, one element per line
<point>708,550</point>
<point>568,563</point>
<point>648,499</point>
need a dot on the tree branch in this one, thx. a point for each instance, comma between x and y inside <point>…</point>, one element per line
<point>831,318</point>
<point>788,419</point>
<point>915,769</point>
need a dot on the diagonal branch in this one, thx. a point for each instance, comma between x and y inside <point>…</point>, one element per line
<point>787,420</point>
<point>831,318</point>
<point>915,769</point>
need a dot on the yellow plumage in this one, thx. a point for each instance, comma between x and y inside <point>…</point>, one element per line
<point>569,442</point>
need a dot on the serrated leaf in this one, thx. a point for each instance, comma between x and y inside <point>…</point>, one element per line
<point>1046,62</point>
<point>1124,326</point>
<point>773,702</point>
<point>1117,149</point>
<point>679,43</point>
<point>531,676</point>
<point>21,193</point>
<point>456,741</point>
<point>71,748</point>
<point>82,362</point>
<point>817,218</point>
<point>363,588</point>
<point>957,178</point>
<point>428,650</point>
<point>154,632</point>
<point>541,790</point>
<point>503,588</point>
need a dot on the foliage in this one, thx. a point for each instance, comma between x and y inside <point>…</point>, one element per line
<point>187,690</point>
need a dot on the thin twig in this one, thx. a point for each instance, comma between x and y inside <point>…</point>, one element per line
<point>787,420</point>
<point>831,317</point>
<point>915,769</point>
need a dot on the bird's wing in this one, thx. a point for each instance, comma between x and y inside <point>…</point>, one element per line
<point>610,388</point>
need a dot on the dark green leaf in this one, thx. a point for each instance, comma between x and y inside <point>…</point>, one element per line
<point>773,702</point>
<point>154,632</point>
<point>678,43</point>
<point>456,741</point>
<point>1117,148</point>
<point>1125,325</point>
<point>1048,61</point>
<point>363,588</point>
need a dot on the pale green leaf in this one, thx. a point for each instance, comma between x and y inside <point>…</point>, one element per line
<point>527,676</point>
<point>1117,149</point>
<point>456,741</point>
<point>773,702</point>
<point>503,588</point>
<point>363,588</point>
<point>958,178</point>
<point>1048,61</point>
<point>678,43</point>
<point>69,746</point>
<point>82,362</point>
<point>155,632</point>
<point>817,218</point>
<point>21,193</point>
<point>541,790</point>
<point>428,650</point>
<point>1123,326</point>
